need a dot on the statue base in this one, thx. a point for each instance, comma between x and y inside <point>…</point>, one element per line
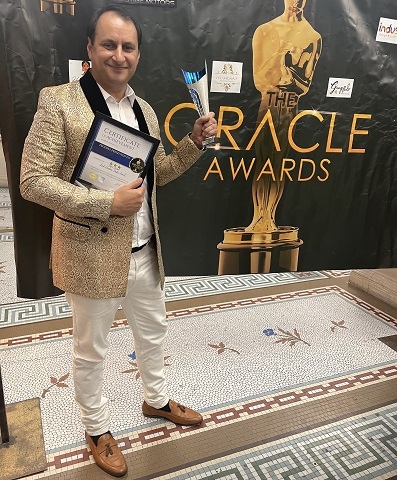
<point>259,252</point>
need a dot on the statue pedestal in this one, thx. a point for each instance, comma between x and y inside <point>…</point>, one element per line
<point>255,252</point>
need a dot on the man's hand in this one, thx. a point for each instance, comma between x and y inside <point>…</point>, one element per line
<point>128,199</point>
<point>205,126</point>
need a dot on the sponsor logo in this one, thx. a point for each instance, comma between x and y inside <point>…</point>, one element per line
<point>226,77</point>
<point>150,3</point>
<point>340,87</point>
<point>387,30</point>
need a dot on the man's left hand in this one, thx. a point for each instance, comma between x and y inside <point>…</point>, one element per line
<point>205,126</point>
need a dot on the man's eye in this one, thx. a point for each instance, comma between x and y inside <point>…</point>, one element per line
<point>108,46</point>
<point>128,48</point>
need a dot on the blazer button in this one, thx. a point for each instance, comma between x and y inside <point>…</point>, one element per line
<point>104,229</point>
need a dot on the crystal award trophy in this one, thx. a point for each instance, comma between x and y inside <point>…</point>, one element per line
<point>198,87</point>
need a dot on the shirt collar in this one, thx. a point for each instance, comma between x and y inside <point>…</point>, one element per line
<point>129,93</point>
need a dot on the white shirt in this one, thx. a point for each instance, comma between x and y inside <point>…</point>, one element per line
<point>122,111</point>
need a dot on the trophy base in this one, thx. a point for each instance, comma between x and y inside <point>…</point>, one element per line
<point>259,252</point>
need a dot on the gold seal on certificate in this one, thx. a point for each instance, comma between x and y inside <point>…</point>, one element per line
<point>197,84</point>
<point>113,155</point>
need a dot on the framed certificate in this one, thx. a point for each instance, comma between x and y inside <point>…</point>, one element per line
<point>113,155</point>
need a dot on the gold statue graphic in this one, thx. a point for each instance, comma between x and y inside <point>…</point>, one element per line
<point>285,53</point>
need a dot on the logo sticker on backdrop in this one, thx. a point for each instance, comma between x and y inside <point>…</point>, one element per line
<point>387,30</point>
<point>77,68</point>
<point>150,3</point>
<point>62,6</point>
<point>226,77</point>
<point>340,87</point>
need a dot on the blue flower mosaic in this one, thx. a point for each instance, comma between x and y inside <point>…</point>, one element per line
<point>269,332</point>
<point>285,337</point>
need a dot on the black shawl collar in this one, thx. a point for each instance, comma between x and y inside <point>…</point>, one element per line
<point>98,104</point>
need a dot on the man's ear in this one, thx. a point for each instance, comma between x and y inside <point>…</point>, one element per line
<point>89,47</point>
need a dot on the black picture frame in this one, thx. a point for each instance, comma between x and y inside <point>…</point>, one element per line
<point>131,132</point>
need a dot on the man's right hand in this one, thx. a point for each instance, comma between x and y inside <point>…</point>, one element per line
<point>128,199</point>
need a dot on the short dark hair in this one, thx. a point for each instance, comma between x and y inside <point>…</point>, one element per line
<point>121,11</point>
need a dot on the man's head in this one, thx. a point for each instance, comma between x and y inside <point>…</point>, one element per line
<point>121,11</point>
<point>114,39</point>
<point>85,65</point>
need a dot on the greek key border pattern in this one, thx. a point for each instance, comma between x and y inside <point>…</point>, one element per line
<point>32,311</point>
<point>174,314</point>
<point>6,237</point>
<point>203,286</point>
<point>361,447</point>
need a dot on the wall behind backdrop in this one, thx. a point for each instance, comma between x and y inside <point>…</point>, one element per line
<point>321,166</point>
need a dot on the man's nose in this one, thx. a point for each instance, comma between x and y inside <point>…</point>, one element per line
<point>118,54</point>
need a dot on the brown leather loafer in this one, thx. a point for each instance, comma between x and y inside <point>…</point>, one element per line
<point>107,455</point>
<point>179,414</point>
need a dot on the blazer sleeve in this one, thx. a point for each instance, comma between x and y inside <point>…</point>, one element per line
<point>183,156</point>
<point>48,160</point>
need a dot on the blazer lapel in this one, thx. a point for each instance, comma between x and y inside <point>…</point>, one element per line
<point>145,129</point>
<point>93,94</point>
<point>140,117</point>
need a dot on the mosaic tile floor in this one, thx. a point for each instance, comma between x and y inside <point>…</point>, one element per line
<point>17,310</point>
<point>359,447</point>
<point>287,370</point>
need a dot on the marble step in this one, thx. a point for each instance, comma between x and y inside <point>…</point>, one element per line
<point>380,283</point>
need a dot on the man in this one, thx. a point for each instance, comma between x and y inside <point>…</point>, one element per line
<point>105,245</point>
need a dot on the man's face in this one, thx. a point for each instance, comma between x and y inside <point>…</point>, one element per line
<point>114,53</point>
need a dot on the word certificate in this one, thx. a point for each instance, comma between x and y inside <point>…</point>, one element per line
<point>113,155</point>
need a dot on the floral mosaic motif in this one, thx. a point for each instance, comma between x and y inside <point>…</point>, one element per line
<point>135,368</point>
<point>2,267</point>
<point>221,348</point>
<point>132,355</point>
<point>55,382</point>
<point>287,338</point>
<point>336,325</point>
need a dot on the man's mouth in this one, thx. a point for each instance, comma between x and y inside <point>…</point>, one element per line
<point>116,67</point>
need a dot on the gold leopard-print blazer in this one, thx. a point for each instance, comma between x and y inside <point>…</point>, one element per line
<point>91,249</point>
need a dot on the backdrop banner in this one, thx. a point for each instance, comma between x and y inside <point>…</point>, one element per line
<point>302,174</point>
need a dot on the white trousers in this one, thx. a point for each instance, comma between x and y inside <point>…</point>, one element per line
<point>144,308</point>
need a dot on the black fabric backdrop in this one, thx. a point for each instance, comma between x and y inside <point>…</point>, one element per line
<point>347,222</point>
